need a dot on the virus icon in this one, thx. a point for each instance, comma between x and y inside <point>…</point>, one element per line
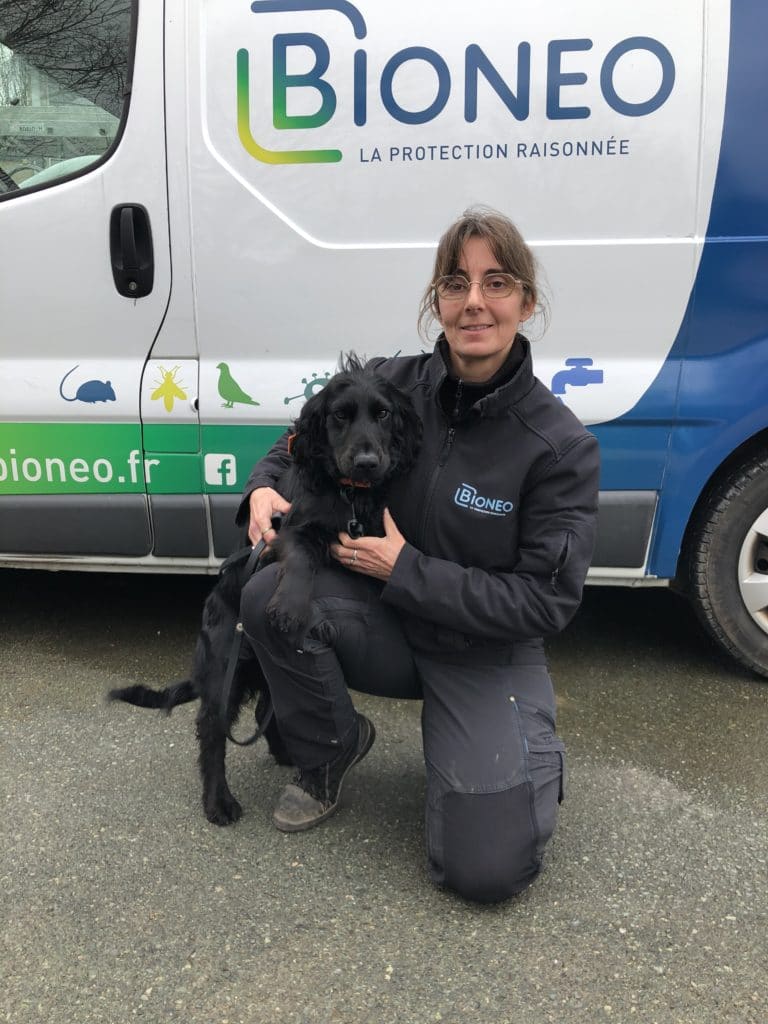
<point>312,387</point>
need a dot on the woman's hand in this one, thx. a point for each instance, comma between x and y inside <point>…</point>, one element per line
<point>372,556</point>
<point>264,503</point>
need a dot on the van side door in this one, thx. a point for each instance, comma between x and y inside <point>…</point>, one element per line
<point>85,272</point>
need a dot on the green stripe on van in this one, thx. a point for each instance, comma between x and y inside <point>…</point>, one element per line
<point>171,437</point>
<point>103,458</point>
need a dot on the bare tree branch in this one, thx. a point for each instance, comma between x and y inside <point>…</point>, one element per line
<point>79,44</point>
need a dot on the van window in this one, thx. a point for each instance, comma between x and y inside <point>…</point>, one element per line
<point>64,72</point>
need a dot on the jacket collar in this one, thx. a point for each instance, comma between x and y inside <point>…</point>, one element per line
<point>512,381</point>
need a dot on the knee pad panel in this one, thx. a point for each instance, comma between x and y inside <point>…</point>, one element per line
<point>489,843</point>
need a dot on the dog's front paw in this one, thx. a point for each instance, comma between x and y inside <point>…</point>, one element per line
<point>222,808</point>
<point>288,616</point>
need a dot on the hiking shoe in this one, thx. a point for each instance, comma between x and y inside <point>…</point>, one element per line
<point>314,795</point>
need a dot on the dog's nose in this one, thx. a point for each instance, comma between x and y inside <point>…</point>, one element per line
<point>366,460</point>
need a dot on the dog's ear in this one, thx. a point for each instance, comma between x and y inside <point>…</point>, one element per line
<point>406,430</point>
<point>310,444</point>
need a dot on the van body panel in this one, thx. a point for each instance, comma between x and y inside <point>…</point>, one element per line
<point>78,528</point>
<point>340,251</point>
<point>719,402</point>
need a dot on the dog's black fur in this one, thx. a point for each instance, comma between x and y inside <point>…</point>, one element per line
<point>350,440</point>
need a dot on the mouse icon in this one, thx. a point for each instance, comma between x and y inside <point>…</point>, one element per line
<point>90,390</point>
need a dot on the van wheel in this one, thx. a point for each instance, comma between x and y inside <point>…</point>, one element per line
<point>728,564</point>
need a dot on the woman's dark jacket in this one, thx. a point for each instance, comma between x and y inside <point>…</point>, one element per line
<point>499,513</point>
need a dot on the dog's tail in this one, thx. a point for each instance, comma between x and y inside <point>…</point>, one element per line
<point>167,699</point>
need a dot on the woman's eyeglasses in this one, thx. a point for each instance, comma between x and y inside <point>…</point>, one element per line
<point>493,286</point>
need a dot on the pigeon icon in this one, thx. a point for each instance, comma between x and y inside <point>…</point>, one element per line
<point>230,390</point>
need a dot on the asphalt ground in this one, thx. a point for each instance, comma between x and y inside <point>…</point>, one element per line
<point>120,902</point>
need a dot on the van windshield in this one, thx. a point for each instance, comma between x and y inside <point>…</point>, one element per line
<point>64,81</point>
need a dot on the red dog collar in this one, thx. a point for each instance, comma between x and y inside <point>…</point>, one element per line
<point>346,482</point>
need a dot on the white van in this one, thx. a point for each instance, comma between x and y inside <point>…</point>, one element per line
<point>202,204</point>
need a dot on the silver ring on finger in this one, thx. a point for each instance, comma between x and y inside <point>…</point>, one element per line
<point>354,556</point>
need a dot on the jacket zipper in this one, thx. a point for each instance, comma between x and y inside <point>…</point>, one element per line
<point>562,559</point>
<point>447,445</point>
<point>457,400</point>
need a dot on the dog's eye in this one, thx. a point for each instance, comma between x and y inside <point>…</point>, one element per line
<point>383,414</point>
<point>340,415</point>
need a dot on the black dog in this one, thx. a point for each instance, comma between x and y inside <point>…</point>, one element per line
<point>206,682</point>
<point>350,440</point>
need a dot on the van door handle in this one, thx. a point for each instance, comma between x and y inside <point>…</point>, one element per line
<point>130,246</point>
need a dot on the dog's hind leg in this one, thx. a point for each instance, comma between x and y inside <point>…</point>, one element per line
<point>219,805</point>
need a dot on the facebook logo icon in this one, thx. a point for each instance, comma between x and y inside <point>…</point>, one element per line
<point>220,470</point>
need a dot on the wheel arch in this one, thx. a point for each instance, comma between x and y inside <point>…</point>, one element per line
<point>746,452</point>
<point>723,567</point>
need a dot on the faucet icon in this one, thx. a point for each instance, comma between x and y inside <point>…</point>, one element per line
<point>577,376</point>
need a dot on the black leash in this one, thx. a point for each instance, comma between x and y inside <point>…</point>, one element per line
<point>355,528</point>
<point>254,554</point>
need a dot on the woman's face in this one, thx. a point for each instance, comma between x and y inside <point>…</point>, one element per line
<point>480,330</point>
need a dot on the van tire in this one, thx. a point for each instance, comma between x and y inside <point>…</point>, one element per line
<point>723,534</point>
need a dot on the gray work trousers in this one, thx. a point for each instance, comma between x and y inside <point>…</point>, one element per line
<point>495,768</point>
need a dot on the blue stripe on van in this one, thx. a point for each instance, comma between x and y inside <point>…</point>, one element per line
<point>722,345</point>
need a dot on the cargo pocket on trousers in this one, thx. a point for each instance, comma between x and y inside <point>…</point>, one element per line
<point>547,770</point>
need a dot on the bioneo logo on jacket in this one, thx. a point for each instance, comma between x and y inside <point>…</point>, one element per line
<point>467,497</point>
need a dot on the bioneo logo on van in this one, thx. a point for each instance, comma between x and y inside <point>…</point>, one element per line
<point>467,103</point>
<point>366,127</point>
<point>315,96</point>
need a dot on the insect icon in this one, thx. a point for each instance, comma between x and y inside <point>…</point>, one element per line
<point>314,385</point>
<point>168,388</point>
